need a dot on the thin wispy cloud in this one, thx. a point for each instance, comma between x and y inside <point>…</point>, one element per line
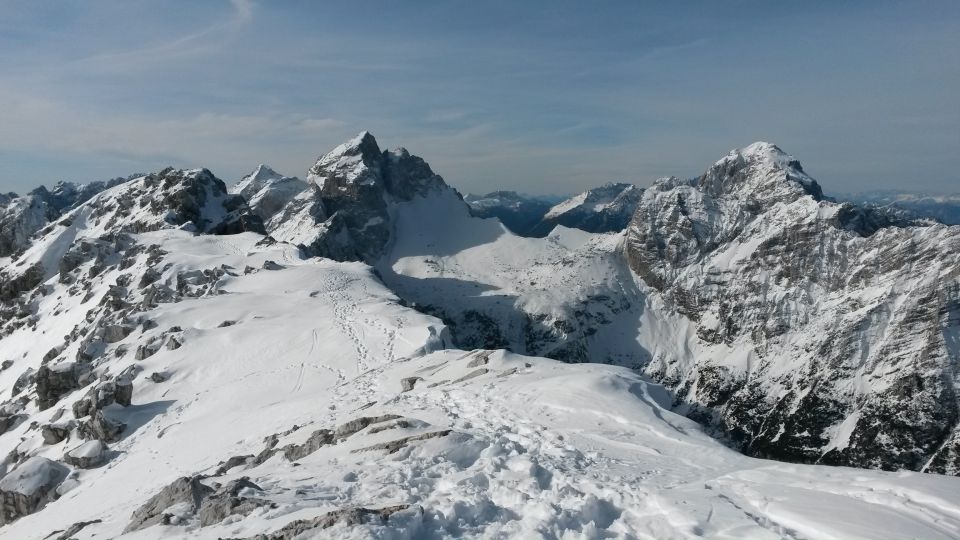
<point>538,97</point>
<point>207,41</point>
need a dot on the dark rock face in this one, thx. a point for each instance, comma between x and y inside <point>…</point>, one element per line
<point>99,427</point>
<point>344,215</point>
<point>843,319</point>
<point>607,208</point>
<point>57,381</point>
<point>518,213</point>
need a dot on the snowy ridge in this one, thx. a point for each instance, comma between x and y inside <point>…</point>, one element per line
<point>485,443</point>
<point>607,208</point>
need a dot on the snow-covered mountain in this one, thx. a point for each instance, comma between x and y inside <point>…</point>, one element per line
<point>943,208</point>
<point>267,191</point>
<point>607,208</point>
<point>21,217</point>
<point>519,213</point>
<point>345,213</point>
<point>183,362</point>
<point>818,331</point>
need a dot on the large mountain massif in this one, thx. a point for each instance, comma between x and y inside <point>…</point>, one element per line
<point>359,355</point>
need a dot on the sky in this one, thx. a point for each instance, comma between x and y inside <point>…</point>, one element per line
<point>545,97</point>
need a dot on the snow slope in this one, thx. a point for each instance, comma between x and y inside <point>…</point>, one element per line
<point>486,444</point>
<point>569,295</point>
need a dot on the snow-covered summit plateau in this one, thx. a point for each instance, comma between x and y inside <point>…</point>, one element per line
<point>356,355</point>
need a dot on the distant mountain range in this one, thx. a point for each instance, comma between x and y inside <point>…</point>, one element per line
<point>607,208</point>
<point>944,208</point>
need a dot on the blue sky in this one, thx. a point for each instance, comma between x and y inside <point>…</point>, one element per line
<point>543,97</point>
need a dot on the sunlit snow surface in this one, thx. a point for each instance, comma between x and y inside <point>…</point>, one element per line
<point>535,448</point>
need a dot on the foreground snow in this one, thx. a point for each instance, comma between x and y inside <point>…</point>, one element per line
<point>485,444</point>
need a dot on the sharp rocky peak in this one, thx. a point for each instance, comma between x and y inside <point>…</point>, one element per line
<point>345,215</point>
<point>263,173</point>
<point>761,171</point>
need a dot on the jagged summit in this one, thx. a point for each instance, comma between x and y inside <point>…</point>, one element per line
<point>345,215</point>
<point>268,191</point>
<point>355,161</point>
<point>761,171</point>
<point>22,216</point>
<point>812,316</point>
<point>262,173</point>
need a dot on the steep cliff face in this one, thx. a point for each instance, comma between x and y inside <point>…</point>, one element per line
<point>345,215</point>
<point>840,324</point>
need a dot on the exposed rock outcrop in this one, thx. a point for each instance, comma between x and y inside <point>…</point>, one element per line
<point>29,487</point>
<point>188,498</point>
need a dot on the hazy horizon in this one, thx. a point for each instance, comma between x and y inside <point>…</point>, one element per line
<point>542,98</point>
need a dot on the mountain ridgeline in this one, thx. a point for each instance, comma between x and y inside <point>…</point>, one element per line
<point>607,208</point>
<point>794,327</point>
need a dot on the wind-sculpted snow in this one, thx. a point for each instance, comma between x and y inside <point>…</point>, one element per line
<point>832,328</point>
